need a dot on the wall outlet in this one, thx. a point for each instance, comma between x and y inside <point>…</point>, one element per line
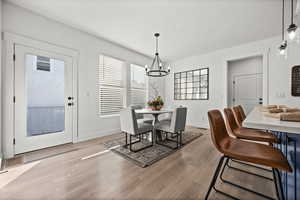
<point>280,95</point>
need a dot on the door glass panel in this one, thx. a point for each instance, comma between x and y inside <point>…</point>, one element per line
<point>45,91</point>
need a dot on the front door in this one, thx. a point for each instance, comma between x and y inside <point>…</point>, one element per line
<point>248,91</point>
<point>43,99</point>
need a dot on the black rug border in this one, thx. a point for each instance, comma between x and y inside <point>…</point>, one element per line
<point>143,165</point>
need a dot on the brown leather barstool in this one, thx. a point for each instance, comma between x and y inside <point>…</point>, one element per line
<point>247,133</point>
<point>242,112</point>
<point>236,149</point>
<point>238,116</point>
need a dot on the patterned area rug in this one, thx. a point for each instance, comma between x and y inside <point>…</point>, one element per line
<point>152,154</point>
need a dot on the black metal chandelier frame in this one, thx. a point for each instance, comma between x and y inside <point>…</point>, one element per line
<point>157,69</point>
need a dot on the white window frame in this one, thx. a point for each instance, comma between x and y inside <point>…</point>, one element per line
<point>123,86</point>
<point>126,75</point>
<point>137,88</point>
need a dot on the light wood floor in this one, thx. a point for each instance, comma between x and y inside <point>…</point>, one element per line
<point>183,175</point>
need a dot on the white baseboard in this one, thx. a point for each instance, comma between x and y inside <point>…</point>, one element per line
<point>202,125</point>
<point>95,134</point>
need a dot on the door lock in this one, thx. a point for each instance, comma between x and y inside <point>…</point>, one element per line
<point>70,98</point>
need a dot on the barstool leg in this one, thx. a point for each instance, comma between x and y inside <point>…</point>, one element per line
<point>265,169</point>
<point>215,177</point>
<point>241,170</point>
<point>278,185</point>
<point>241,187</point>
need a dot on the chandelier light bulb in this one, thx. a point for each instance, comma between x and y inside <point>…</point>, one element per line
<point>292,31</point>
<point>282,48</point>
<point>282,52</point>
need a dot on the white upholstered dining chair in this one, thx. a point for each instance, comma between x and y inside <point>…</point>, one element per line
<point>134,129</point>
<point>140,117</point>
<point>175,127</point>
<point>168,116</point>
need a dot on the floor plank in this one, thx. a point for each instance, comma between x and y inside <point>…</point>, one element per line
<point>183,175</point>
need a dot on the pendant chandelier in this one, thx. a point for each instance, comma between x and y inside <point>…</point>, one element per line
<point>292,30</point>
<point>158,68</point>
<point>283,46</point>
<point>293,27</point>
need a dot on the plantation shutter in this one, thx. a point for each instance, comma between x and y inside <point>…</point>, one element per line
<point>138,85</point>
<point>111,85</point>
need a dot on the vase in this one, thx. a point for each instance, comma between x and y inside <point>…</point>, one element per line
<point>156,107</point>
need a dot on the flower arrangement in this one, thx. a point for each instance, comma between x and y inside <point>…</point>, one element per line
<point>156,104</point>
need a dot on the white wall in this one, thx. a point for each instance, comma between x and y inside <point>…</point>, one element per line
<point>0,83</point>
<point>251,65</point>
<point>277,72</point>
<point>20,21</point>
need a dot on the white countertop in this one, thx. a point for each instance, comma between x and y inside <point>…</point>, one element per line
<point>256,119</point>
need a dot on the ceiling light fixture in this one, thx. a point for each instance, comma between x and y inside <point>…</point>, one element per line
<point>157,69</point>
<point>283,46</point>
<point>293,27</point>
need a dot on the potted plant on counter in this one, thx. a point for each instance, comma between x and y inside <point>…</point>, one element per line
<point>156,104</point>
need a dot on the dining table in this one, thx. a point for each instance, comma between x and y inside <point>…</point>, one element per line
<point>155,122</point>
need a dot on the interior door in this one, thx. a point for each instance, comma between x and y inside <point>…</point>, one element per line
<point>248,91</point>
<point>43,99</point>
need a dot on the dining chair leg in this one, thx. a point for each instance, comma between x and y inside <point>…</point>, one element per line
<point>126,140</point>
<point>177,139</point>
<point>181,138</point>
<point>152,142</point>
<point>215,177</point>
<point>130,142</point>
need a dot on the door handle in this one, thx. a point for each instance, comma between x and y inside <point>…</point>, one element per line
<point>260,99</point>
<point>70,104</point>
<point>260,102</point>
<point>70,98</point>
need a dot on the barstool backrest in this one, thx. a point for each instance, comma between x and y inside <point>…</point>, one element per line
<point>242,112</point>
<point>218,130</point>
<point>178,119</point>
<point>237,115</point>
<point>128,121</point>
<point>230,120</point>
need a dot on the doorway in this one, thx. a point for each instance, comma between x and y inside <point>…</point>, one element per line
<point>43,99</point>
<point>245,83</point>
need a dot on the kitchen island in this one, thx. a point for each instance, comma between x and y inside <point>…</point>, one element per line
<point>289,135</point>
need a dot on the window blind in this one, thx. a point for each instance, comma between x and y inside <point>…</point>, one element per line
<point>111,85</point>
<point>43,63</point>
<point>138,85</point>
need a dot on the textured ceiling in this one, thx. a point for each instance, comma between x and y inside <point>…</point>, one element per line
<point>187,27</point>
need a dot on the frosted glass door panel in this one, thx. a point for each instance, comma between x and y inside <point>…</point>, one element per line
<point>45,91</point>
